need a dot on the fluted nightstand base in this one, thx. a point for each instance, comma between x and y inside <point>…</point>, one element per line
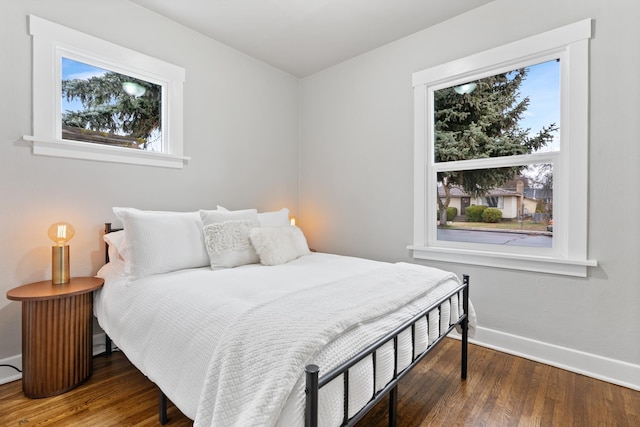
<point>63,327</point>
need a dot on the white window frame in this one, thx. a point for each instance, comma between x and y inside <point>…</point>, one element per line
<point>51,42</point>
<point>568,255</point>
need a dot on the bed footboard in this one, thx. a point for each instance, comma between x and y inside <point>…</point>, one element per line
<point>314,382</point>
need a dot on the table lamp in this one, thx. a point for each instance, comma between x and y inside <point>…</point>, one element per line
<point>60,233</point>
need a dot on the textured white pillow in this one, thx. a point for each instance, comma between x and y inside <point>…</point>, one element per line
<point>279,245</point>
<point>269,219</point>
<point>226,236</point>
<point>159,242</point>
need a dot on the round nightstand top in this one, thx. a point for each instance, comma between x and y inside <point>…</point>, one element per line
<point>45,290</point>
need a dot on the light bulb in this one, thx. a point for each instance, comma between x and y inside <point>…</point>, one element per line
<point>465,88</point>
<point>61,233</point>
<point>133,89</point>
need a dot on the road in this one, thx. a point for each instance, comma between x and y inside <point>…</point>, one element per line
<point>496,238</point>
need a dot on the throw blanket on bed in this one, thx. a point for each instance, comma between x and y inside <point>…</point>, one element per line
<point>258,361</point>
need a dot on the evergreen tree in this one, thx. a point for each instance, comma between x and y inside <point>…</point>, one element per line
<point>482,124</point>
<point>109,108</point>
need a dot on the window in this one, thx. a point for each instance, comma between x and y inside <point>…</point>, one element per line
<point>96,100</point>
<point>494,202</point>
<point>475,149</point>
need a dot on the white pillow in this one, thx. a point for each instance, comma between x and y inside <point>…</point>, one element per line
<point>226,236</point>
<point>269,219</point>
<point>279,245</point>
<point>117,245</point>
<point>159,242</point>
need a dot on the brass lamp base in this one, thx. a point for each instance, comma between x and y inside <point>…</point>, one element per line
<point>59,265</point>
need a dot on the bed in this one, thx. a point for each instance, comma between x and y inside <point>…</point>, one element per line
<point>239,323</point>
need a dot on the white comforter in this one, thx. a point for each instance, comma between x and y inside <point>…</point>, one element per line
<point>198,332</point>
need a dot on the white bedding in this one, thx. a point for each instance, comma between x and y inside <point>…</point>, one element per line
<point>185,331</point>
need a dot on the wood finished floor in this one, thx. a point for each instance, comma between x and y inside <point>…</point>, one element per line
<point>501,390</point>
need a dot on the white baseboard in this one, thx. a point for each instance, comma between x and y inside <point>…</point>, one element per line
<point>8,374</point>
<point>602,368</point>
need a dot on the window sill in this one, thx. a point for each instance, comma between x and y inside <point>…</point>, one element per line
<point>567,267</point>
<point>104,153</point>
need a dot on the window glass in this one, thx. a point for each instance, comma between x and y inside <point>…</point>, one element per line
<point>105,107</point>
<point>506,114</point>
<point>521,207</point>
<point>509,115</point>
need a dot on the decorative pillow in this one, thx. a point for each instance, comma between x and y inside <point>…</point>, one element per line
<point>226,236</point>
<point>117,242</point>
<point>159,242</point>
<point>279,245</point>
<point>269,219</point>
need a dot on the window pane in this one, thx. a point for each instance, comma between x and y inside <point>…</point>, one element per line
<point>512,113</point>
<point>516,211</point>
<point>106,107</point>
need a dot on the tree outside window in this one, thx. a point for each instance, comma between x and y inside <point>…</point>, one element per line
<point>106,107</point>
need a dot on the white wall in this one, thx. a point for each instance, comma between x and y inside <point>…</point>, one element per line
<point>356,180</point>
<point>241,132</point>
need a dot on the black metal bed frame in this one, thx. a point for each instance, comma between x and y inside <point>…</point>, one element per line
<point>314,382</point>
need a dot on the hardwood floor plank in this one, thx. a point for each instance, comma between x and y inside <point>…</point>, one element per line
<point>500,390</point>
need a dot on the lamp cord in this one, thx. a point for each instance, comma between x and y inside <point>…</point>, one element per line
<point>11,366</point>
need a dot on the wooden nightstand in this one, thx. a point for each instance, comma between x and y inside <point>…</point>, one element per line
<point>57,334</point>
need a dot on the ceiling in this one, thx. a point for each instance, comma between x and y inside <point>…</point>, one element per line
<point>303,37</point>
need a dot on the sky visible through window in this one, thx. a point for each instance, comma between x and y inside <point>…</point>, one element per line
<point>542,86</point>
<point>77,70</point>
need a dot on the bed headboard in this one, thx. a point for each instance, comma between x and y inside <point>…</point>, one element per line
<point>108,229</point>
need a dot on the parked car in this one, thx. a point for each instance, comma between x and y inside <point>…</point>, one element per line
<point>550,226</point>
